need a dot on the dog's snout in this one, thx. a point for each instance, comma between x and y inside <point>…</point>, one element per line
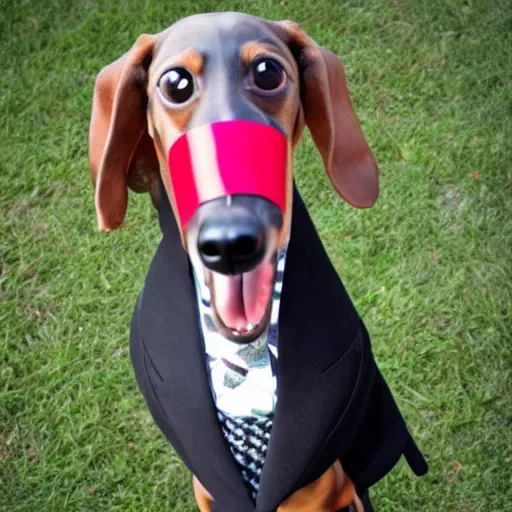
<point>231,242</point>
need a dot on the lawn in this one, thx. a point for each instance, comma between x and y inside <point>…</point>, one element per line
<point>429,267</point>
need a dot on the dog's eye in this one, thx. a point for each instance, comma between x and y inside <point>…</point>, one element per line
<point>176,85</point>
<point>268,74</point>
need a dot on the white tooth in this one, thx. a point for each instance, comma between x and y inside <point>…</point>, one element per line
<point>250,327</point>
<point>236,333</point>
<point>274,315</point>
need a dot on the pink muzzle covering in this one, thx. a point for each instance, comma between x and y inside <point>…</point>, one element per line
<point>228,157</point>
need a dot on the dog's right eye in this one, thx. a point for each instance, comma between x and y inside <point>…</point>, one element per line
<point>268,74</point>
<point>176,85</point>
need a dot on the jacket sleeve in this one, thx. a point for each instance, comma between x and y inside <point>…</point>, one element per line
<point>381,440</point>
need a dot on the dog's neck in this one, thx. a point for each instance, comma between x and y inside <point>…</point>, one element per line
<point>242,376</point>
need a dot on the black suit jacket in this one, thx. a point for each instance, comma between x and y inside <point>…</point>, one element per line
<point>332,400</point>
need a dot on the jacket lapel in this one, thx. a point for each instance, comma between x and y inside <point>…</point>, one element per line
<point>175,366</point>
<point>319,366</point>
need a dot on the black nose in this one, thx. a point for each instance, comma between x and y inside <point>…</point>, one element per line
<point>231,243</point>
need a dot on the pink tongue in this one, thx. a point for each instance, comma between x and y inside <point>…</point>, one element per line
<point>243,300</point>
<point>257,290</point>
<point>228,300</point>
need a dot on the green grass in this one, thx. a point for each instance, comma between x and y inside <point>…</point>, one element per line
<point>429,267</point>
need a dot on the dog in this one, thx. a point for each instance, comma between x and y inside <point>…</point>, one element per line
<point>205,117</point>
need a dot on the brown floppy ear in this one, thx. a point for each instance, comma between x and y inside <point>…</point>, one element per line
<point>121,153</point>
<point>329,115</point>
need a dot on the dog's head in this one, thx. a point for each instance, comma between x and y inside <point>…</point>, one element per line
<point>212,107</point>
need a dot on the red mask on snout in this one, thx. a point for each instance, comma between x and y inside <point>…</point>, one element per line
<point>228,157</point>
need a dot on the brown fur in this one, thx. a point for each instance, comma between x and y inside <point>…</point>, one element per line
<point>330,492</point>
<point>251,50</point>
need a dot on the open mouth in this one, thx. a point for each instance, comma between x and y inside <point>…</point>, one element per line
<point>241,303</point>
<point>234,244</point>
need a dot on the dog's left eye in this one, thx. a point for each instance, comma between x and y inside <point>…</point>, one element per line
<point>176,85</point>
<point>268,74</point>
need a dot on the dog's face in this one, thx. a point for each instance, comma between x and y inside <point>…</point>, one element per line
<point>212,107</point>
